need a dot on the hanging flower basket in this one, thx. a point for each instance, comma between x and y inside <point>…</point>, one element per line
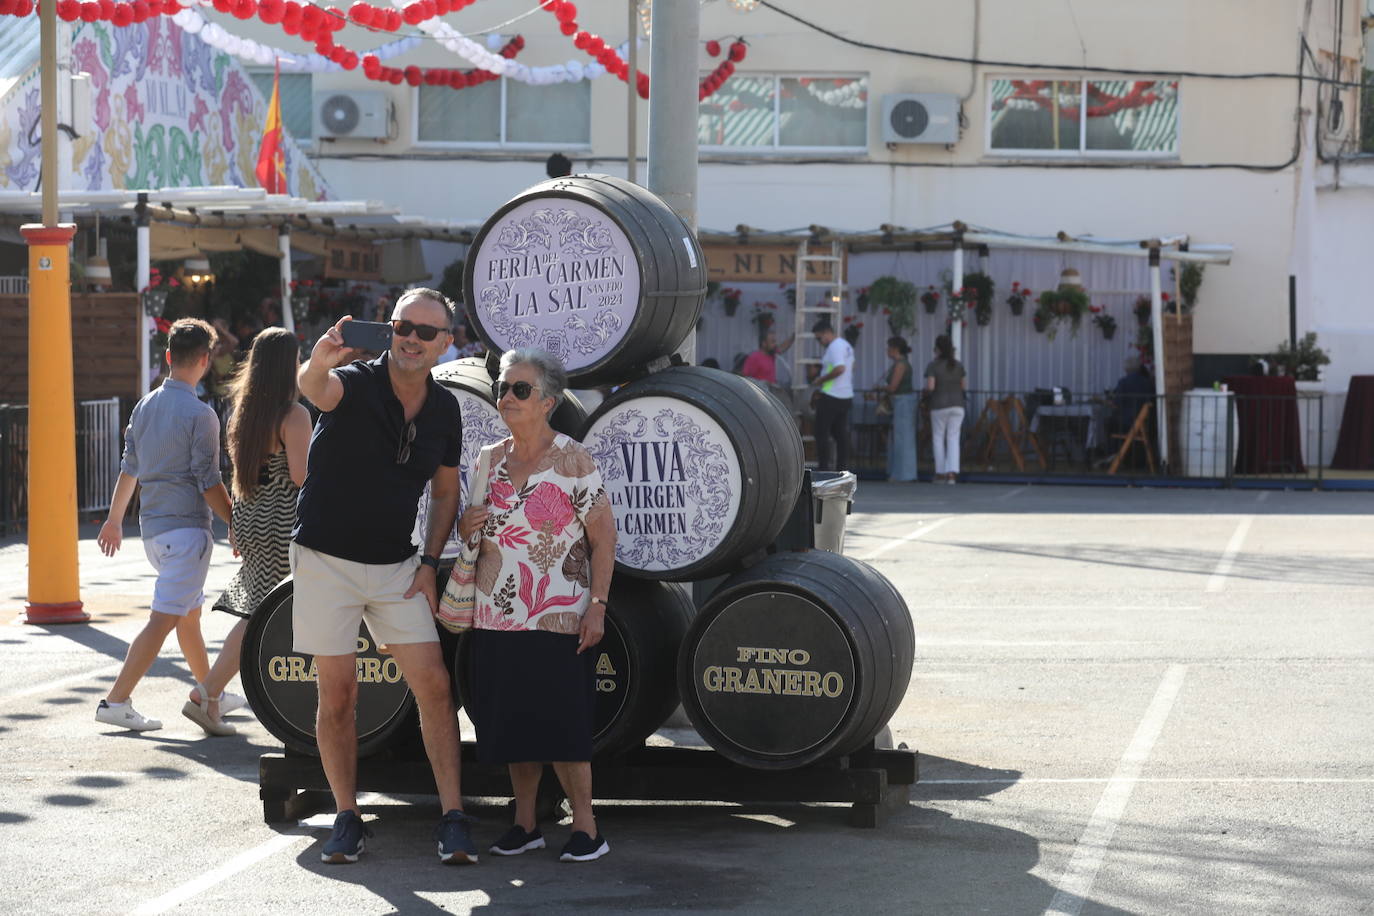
<point>1068,302</point>
<point>930,300</point>
<point>899,298</point>
<point>1017,300</point>
<point>1105,323</point>
<point>730,299</point>
<point>861,300</point>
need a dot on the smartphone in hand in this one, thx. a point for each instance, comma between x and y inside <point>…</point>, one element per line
<point>373,336</point>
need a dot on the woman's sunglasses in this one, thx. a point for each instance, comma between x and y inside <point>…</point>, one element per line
<point>425,332</point>
<point>521,390</point>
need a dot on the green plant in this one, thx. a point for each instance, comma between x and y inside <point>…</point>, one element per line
<point>1189,281</point>
<point>983,289</point>
<point>1105,322</point>
<point>1065,302</point>
<point>930,299</point>
<point>1019,294</point>
<point>899,297</point>
<point>1304,363</point>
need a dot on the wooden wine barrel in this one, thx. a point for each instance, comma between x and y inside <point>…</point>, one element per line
<point>595,269</point>
<point>801,657</point>
<point>470,382</point>
<point>280,684</point>
<point>702,468</point>
<point>636,687</point>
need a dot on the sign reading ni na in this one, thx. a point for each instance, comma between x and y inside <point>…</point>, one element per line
<point>731,263</point>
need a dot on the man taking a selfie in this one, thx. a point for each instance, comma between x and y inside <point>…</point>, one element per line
<point>386,429</point>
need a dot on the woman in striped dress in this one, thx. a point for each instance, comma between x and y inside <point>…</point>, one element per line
<point>268,437</point>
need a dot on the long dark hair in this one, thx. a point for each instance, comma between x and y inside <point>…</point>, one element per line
<point>899,344</point>
<point>259,397</point>
<point>945,347</point>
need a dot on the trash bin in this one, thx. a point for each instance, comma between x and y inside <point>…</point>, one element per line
<point>832,498</point>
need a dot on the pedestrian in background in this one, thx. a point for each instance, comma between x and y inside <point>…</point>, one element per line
<point>269,435</point>
<point>945,385</point>
<point>171,446</point>
<point>834,399</point>
<point>901,393</point>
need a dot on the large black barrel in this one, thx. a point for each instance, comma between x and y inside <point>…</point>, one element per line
<point>470,382</point>
<point>702,468</point>
<point>636,686</point>
<point>801,657</point>
<point>280,684</point>
<point>594,269</point>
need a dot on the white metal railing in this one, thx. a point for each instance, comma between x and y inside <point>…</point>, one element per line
<point>97,433</point>
<point>14,286</point>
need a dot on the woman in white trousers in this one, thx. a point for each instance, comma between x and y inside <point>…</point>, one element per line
<point>946,382</point>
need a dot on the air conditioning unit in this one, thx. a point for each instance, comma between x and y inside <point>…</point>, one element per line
<point>352,115</point>
<point>921,117</point>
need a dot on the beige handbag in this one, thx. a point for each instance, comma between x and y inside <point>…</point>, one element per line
<point>460,594</point>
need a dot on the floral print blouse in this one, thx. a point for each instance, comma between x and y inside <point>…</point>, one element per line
<point>533,566</point>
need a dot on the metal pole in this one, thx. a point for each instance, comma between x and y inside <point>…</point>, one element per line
<point>1293,320</point>
<point>143,275</point>
<point>54,588</point>
<point>673,105</point>
<point>956,282</point>
<point>288,317</point>
<point>632,98</point>
<point>1157,318</point>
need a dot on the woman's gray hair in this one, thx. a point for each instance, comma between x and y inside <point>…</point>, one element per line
<point>552,377</point>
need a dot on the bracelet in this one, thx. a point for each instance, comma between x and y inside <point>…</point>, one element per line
<point>430,560</point>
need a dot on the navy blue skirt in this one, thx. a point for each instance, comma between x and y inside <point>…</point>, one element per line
<point>533,696</point>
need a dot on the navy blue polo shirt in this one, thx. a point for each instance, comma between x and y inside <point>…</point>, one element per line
<point>357,503</point>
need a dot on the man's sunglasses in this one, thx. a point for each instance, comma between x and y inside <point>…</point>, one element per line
<point>403,448</point>
<point>521,390</point>
<point>425,332</point>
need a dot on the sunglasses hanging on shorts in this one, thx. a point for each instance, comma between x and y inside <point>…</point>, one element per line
<point>403,449</point>
<point>425,332</point>
<point>521,390</point>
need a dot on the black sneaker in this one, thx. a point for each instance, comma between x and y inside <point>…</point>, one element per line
<point>515,841</point>
<point>346,842</point>
<point>582,848</point>
<point>455,840</point>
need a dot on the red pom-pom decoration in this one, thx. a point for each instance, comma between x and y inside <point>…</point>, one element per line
<point>350,61</point>
<point>737,51</point>
<point>123,15</point>
<point>68,10</point>
<point>90,11</point>
<point>727,70</point>
<point>568,28</point>
<point>567,12</point>
<point>713,48</point>
<point>361,13</point>
<point>245,9</point>
<point>412,74</point>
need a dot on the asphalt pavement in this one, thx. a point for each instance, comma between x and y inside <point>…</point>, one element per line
<point>1124,700</point>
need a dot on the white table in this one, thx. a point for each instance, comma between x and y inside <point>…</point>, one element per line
<point>1071,411</point>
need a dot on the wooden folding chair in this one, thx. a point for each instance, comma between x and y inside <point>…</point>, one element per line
<point>1139,432</point>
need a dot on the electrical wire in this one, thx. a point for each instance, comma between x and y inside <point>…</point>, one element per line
<point>1061,68</point>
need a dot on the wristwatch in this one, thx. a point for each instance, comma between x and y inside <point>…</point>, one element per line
<point>430,560</point>
<point>600,601</point>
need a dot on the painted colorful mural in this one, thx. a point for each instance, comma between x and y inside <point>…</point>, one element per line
<point>167,110</point>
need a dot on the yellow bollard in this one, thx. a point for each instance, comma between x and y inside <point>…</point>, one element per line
<point>54,586</point>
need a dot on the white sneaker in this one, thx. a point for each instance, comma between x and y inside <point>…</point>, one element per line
<point>228,702</point>
<point>125,716</point>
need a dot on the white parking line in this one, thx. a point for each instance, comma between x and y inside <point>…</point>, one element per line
<point>1097,780</point>
<point>925,529</point>
<point>1217,581</point>
<point>185,892</point>
<point>1077,880</point>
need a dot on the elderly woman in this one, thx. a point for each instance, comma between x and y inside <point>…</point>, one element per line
<point>544,564</point>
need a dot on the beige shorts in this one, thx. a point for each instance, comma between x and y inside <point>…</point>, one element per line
<point>331,596</point>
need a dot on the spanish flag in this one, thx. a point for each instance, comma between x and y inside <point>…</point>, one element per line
<point>271,170</point>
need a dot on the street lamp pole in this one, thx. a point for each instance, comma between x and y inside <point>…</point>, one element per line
<point>54,594</point>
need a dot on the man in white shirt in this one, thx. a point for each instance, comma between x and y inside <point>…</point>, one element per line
<point>836,395</point>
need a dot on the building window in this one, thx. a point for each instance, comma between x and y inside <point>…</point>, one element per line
<point>505,113</point>
<point>761,112</point>
<point>296,95</point>
<point>1126,118</point>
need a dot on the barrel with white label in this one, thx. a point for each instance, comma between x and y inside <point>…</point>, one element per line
<point>635,662</point>
<point>594,269</point>
<point>702,469</point>
<point>280,684</point>
<point>801,657</point>
<point>470,382</point>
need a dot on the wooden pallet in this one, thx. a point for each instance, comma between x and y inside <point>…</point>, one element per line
<point>874,782</point>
